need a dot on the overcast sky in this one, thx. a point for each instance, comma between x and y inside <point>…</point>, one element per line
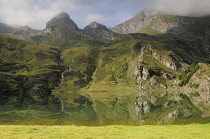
<point>36,13</point>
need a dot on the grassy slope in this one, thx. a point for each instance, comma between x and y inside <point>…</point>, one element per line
<point>193,131</point>
<point>149,30</point>
<point>27,58</point>
<point>80,58</point>
<point>117,62</point>
<point>28,74</point>
<point>27,69</point>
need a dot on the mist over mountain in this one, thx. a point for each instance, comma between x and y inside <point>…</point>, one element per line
<point>4,28</point>
<point>179,7</point>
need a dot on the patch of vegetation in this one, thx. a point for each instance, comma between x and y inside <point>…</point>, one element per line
<point>187,74</point>
<point>169,18</point>
<point>150,31</point>
<point>195,86</point>
<point>188,105</point>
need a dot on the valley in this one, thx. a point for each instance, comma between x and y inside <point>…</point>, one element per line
<point>155,72</point>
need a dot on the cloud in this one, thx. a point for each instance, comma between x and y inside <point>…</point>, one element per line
<point>35,13</point>
<point>92,17</point>
<point>179,7</point>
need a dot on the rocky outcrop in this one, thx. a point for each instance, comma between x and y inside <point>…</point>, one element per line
<point>174,114</point>
<point>24,32</point>
<point>100,32</point>
<point>142,73</point>
<point>171,61</point>
<point>145,72</point>
<point>143,108</point>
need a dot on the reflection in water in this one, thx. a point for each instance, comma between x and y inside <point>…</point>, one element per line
<point>127,107</point>
<point>136,108</point>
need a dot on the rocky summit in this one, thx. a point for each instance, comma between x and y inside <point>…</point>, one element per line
<point>58,30</point>
<point>135,24</point>
<point>100,32</point>
<point>152,69</point>
<point>61,19</point>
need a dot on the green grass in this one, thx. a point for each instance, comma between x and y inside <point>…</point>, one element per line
<point>169,18</point>
<point>192,131</point>
<point>150,31</point>
<point>187,74</point>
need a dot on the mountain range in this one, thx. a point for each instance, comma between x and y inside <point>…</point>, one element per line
<point>151,69</point>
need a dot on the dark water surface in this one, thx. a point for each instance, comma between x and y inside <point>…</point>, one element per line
<point>108,108</point>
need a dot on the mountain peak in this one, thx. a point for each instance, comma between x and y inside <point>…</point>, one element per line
<point>63,13</point>
<point>100,32</point>
<point>147,12</point>
<point>95,25</point>
<point>61,19</point>
<point>24,28</point>
<point>134,24</point>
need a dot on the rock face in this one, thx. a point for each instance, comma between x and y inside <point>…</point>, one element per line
<point>171,61</point>
<point>146,21</point>
<point>143,73</point>
<point>24,32</point>
<point>151,22</point>
<point>135,24</point>
<point>174,114</point>
<point>59,29</point>
<point>62,19</point>
<point>100,32</point>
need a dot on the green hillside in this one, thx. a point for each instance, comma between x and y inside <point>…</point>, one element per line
<point>28,68</point>
<point>68,77</point>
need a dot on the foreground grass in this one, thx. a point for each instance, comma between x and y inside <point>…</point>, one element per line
<point>118,132</point>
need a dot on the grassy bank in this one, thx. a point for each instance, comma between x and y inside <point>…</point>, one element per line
<point>118,132</point>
